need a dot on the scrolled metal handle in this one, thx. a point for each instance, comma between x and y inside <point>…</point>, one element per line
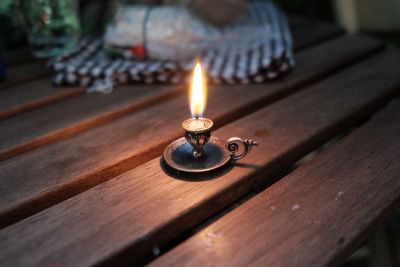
<point>234,143</point>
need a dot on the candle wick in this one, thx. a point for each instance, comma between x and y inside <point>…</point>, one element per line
<point>196,117</point>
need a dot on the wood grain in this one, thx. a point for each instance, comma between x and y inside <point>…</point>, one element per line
<point>127,218</point>
<point>30,96</point>
<point>315,216</point>
<point>24,73</point>
<point>65,168</point>
<point>71,116</point>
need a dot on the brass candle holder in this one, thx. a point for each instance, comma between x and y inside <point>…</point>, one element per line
<point>197,134</point>
<point>198,151</point>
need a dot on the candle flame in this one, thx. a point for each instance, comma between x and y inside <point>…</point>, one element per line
<point>198,92</point>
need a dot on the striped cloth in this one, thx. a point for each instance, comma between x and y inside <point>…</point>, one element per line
<point>257,61</point>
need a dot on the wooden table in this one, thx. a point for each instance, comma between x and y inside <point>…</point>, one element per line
<point>82,181</point>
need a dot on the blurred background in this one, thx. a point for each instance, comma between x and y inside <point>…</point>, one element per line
<point>380,18</point>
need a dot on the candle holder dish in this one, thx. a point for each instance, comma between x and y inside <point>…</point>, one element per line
<point>198,151</point>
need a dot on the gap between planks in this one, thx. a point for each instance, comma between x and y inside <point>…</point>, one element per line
<point>317,215</point>
<point>72,116</point>
<point>263,185</point>
<point>107,151</point>
<point>123,219</point>
<point>132,253</point>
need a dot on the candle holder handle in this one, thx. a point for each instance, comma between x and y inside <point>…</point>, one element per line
<point>234,143</point>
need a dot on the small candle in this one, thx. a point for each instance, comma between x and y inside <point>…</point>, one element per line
<point>197,124</point>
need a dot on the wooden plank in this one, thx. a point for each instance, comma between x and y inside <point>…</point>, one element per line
<point>23,73</point>
<point>65,168</point>
<point>31,95</point>
<point>21,101</point>
<point>71,116</point>
<point>126,218</point>
<point>313,217</point>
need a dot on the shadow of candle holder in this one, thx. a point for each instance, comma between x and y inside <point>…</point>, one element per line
<point>195,177</point>
<point>204,176</point>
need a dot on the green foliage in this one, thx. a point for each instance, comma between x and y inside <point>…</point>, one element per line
<point>5,5</point>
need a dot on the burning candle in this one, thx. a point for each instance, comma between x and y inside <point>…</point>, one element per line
<point>197,128</point>
<point>198,151</point>
<point>197,124</point>
<point>197,100</point>
<point>198,92</point>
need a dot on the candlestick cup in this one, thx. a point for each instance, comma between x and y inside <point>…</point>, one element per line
<point>197,134</point>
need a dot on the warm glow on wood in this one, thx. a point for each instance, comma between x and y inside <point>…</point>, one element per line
<point>198,92</point>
